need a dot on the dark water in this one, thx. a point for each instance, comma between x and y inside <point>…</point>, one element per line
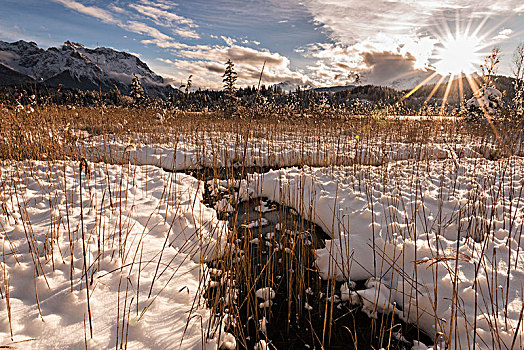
<point>276,247</point>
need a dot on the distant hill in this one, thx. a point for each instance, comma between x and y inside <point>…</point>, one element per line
<point>9,76</point>
<point>75,66</point>
<point>289,86</point>
<point>503,83</point>
<point>335,88</point>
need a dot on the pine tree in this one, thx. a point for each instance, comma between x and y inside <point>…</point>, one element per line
<point>137,91</point>
<point>189,83</point>
<point>230,77</point>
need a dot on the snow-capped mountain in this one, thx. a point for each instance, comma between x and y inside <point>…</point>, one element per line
<point>75,66</point>
<point>288,86</point>
<point>410,81</point>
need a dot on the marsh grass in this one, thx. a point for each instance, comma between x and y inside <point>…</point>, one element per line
<point>230,148</point>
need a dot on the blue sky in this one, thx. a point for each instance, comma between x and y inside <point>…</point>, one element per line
<point>314,42</point>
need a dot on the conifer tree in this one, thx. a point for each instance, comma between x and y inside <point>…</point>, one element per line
<point>189,83</point>
<point>229,79</point>
<point>137,91</point>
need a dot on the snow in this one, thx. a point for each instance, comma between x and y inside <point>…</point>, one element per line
<point>157,220</point>
<point>419,237</point>
<point>266,293</point>
<point>257,223</point>
<point>261,345</point>
<point>264,208</point>
<point>416,232</point>
<point>81,62</point>
<point>284,150</point>
<point>486,98</point>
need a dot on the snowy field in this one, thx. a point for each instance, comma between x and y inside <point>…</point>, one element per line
<point>144,233</point>
<point>267,149</point>
<point>435,230</point>
<point>436,242</point>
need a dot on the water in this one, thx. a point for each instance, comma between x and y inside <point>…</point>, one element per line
<point>274,247</point>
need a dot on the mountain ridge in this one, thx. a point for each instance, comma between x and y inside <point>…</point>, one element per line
<point>75,66</point>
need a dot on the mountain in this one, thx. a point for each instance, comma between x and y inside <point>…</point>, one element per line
<point>288,86</point>
<point>335,88</point>
<point>75,66</point>
<point>412,80</point>
<point>9,76</point>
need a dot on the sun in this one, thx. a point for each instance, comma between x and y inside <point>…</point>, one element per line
<point>458,54</point>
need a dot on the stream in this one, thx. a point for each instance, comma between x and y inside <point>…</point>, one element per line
<point>279,299</point>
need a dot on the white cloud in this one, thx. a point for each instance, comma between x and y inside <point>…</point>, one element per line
<point>161,17</point>
<point>144,29</point>
<point>207,63</point>
<point>503,34</point>
<point>93,11</point>
<point>401,33</point>
<point>186,33</point>
<point>155,11</point>
<point>228,40</point>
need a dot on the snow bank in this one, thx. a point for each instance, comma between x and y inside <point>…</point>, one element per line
<point>145,231</point>
<point>439,242</point>
<point>219,150</point>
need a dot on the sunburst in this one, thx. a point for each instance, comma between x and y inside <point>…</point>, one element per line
<point>457,54</point>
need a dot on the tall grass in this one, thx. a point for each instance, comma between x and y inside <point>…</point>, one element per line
<point>229,149</point>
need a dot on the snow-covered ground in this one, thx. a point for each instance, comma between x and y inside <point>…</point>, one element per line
<point>145,233</point>
<point>436,241</point>
<point>216,149</point>
<point>435,229</point>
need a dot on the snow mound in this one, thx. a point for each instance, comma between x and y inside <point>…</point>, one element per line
<point>145,233</point>
<point>439,244</point>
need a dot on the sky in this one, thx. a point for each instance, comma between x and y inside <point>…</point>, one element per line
<point>306,42</point>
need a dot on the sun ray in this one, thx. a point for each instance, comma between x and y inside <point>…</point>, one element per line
<point>457,22</point>
<point>474,86</point>
<point>479,27</point>
<point>425,81</point>
<point>460,50</point>
<point>435,88</point>
<point>461,90</point>
<point>446,95</point>
<point>493,28</point>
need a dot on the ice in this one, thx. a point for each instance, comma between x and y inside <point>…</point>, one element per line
<point>266,293</point>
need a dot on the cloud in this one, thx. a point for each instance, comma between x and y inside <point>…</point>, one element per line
<point>160,25</point>
<point>160,16</point>
<point>144,29</point>
<point>165,60</point>
<point>387,67</point>
<point>154,11</point>
<point>503,34</point>
<point>383,25</point>
<point>186,33</point>
<point>228,40</point>
<point>374,37</point>
<point>93,11</point>
<point>207,63</point>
